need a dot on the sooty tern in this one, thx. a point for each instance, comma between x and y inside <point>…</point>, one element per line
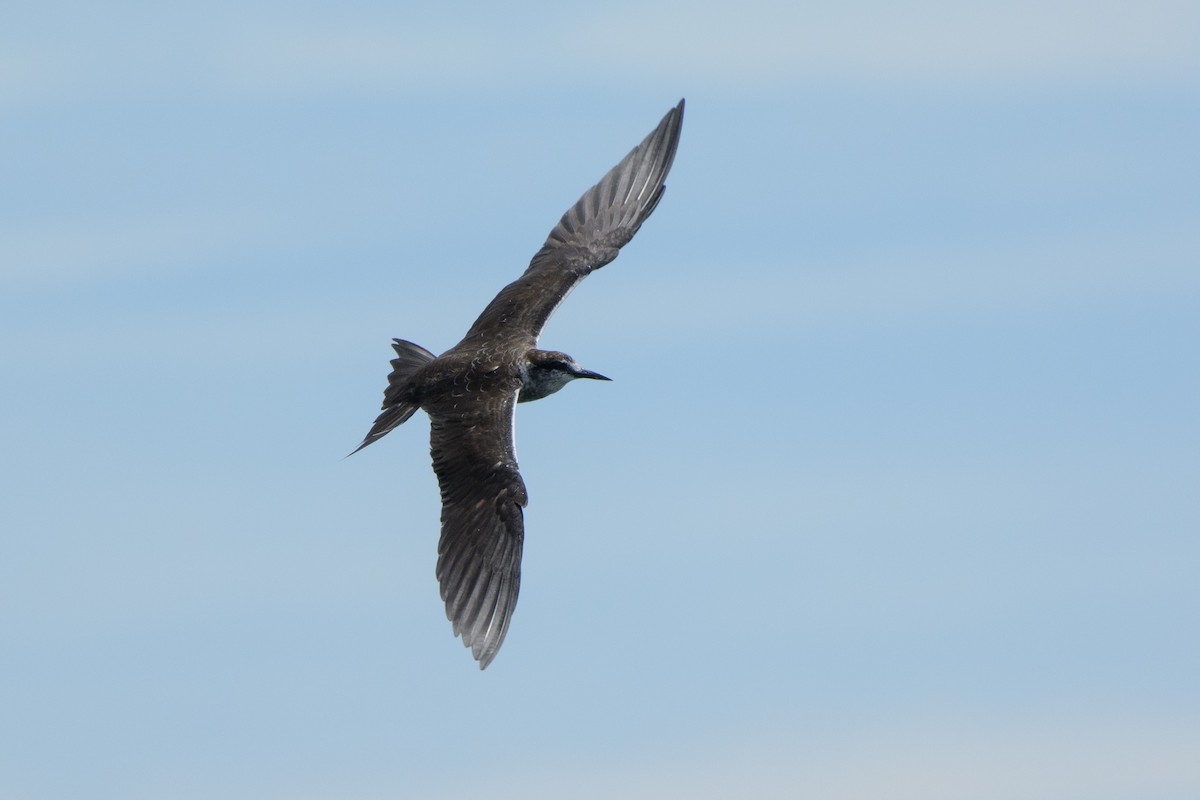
<point>471,392</point>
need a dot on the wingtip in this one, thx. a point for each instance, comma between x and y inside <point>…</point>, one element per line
<point>485,660</point>
<point>677,111</point>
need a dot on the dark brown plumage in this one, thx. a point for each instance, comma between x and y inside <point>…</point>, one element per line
<point>471,391</point>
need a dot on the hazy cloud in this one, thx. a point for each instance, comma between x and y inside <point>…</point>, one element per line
<point>762,45</point>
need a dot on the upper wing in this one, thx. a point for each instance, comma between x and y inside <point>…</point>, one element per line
<point>479,554</point>
<point>587,237</point>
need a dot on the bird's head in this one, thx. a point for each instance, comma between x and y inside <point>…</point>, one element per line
<point>547,371</point>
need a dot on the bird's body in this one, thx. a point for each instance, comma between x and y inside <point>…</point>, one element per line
<point>470,392</point>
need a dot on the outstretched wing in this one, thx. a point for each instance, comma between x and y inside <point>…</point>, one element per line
<point>479,554</point>
<point>587,237</point>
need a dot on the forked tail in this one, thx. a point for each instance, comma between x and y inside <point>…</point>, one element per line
<point>396,410</point>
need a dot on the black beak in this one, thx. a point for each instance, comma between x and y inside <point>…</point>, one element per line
<point>587,373</point>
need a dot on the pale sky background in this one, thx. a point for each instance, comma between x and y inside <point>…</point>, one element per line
<point>896,493</point>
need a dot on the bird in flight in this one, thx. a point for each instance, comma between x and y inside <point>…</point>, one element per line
<point>471,392</point>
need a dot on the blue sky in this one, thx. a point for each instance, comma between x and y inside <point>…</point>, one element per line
<point>894,493</point>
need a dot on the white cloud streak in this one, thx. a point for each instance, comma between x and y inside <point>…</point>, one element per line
<point>761,45</point>
<point>1041,762</point>
<point>1045,760</point>
<point>65,252</point>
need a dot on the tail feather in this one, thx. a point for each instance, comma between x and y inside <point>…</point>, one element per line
<point>409,358</point>
<point>396,409</point>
